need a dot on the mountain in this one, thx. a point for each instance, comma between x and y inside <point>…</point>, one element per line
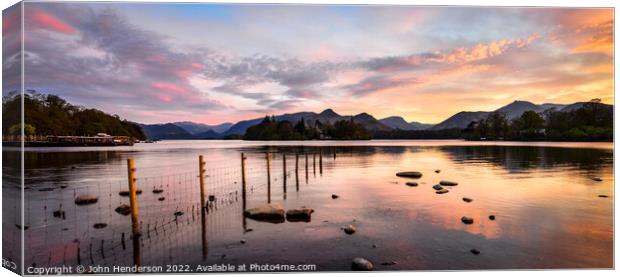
<point>397,122</point>
<point>165,131</point>
<point>196,128</point>
<point>517,108</point>
<point>210,134</point>
<point>460,120</point>
<point>368,121</point>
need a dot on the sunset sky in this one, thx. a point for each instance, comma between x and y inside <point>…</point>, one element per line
<point>154,63</point>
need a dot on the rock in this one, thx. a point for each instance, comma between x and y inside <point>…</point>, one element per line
<point>603,196</point>
<point>157,191</point>
<point>437,171</point>
<point>442,191</point>
<point>100,225</point>
<point>349,230</point>
<point>412,184</point>
<point>86,200</point>
<point>59,213</point>
<point>374,246</point>
<point>267,212</point>
<point>467,220</point>
<point>242,241</point>
<point>598,179</point>
<point>492,217</point>
<point>301,214</point>
<point>126,192</point>
<point>361,264</point>
<point>409,174</point>
<point>178,213</point>
<point>448,183</point>
<point>334,196</point>
<point>161,198</point>
<point>467,199</point>
<point>437,187</point>
<point>123,209</point>
<point>475,251</point>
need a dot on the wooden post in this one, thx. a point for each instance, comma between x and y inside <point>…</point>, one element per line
<point>306,168</point>
<point>314,164</point>
<point>297,171</point>
<point>243,191</point>
<point>201,168</point>
<point>321,161</point>
<point>133,200</point>
<point>268,177</point>
<point>284,174</point>
<point>334,153</point>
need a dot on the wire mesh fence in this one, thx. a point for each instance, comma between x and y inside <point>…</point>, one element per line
<point>91,224</point>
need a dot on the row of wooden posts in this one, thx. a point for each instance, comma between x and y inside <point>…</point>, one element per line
<point>133,201</point>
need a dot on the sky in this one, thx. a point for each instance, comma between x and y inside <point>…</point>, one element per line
<point>215,63</point>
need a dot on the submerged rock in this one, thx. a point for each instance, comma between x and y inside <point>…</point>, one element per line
<point>437,187</point>
<point>123,209</point>
<point>467,220</point>
<point>266,212</point>
<point>603,196</point>
<point>301,214</point>
<point>475,251</point>
<point>349,230</point>
<point>442,191</point>
<point>492,217</point>
<point>161,198</point>
<point>467,199</point>
<point>100,225</point>
<point>409,174</point>
<point>448,183</point>
<point>156,191</point>
<point>334,196</point>
<point>412,184</point>
<point>437,171</point>
<point>598,179</point>
<point>242,241</point>
<point>86,200</point>
<point>361,264</point>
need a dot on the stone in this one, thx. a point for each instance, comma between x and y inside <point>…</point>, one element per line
<point>267,212</point>
<point>442,191</point>
<point>349,230</point>
<point>157,191</point>
<point>448,183</point>
<point>467,199</point>
<point>161,198</point>
<point>301,214</point>
<point>86,200</point>
<point>100,225</point>
<point>334,196</point>
<point>123,209</point>
<point>242,241</point>
<point>475,251</point>
<point>412,184</point>
<point>361,264</point>
<point>437,187</point>
<point>598,179</point>
<point>602,196</point>
<point>467,220</point>
<point>492,217</point>
<point>409,174</point>
<point>126,192</point>
<point>374,246</point>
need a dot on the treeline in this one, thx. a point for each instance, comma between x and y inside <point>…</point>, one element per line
<point>593,121</point>
<point>46,114</point>
<point>272,129</point>
<point>454,133</point>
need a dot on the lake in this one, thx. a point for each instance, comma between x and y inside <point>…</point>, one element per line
<point>550,211</point>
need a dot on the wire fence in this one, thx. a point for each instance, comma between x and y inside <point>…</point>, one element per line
<point>90,224</point>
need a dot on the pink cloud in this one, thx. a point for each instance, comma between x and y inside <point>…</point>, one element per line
<point>47,21</point>
<point>169,87</point>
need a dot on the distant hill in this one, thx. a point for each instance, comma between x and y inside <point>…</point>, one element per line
<point>197,128</point>
<point>165,131</point>
<point>397,122</point>
<point>460,120</point>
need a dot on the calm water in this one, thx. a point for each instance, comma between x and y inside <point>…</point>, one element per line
<point>547,207</point>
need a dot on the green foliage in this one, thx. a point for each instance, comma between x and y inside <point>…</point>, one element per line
<point>271,129</point>
<point>591,122</point>
<point>52,115</point>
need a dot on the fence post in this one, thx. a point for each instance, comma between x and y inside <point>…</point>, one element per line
<point>133,200</point>
<point>306,168</point>
<point>321,161</point>
<point>268,177</point>
<point>201,168</point>
<point>243,191</point>
<point>297,171</point>
<point>284,175</point>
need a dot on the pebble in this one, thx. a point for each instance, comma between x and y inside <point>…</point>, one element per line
<point>361,264</point>
<point>334,196</point>
<point>437,187</point>
<point>349,230</point>
<point>467,199</point>
<point>598,179</point>
<point>412,184</point>
<point>603,196</point>
<point>448,183</point>
<point>437,171</point>
<point>409,174</point>
<point>442,191</point>
<point>475,251</point>
<point>467,220</point>
<point>242,241</point>
<point>492,217</point>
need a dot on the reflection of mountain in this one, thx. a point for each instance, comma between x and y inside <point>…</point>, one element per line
<point>521,158</point>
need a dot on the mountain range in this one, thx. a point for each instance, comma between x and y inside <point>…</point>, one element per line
<point>191,130</point>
